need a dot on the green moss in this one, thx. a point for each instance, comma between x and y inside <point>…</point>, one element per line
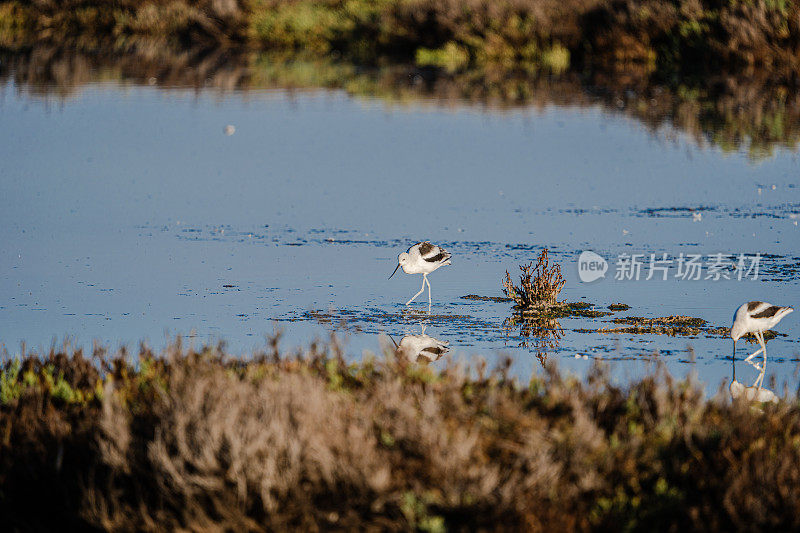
<point>450,57</point>
<point>556,59</point>
<point>307,25</point>
<point>334,375</point>
<point>30,379</point>
<point>62,391</point>
<point>10,388</point>
<point>416,510</point>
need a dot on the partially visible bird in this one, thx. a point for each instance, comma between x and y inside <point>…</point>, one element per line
<point>421,348</point>
<point>422,258</point>
<point>756,318</point>
<point>755,392</point>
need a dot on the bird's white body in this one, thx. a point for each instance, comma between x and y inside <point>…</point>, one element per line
<point>422,258</point>
<point>756,318</point>
<point>422,348</point>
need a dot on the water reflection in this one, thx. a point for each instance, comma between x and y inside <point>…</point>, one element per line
<point>755,392</point>
<point>540,335</point>
<point>421,348</point>
<point>726,111</point>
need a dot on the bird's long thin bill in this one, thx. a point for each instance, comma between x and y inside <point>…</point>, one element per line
<point>395,270</point>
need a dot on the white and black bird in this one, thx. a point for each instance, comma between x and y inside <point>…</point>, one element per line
<point>421,348</point>
<point>422,258</point>
<point>756,318</point>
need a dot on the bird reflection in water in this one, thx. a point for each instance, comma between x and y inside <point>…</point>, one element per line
<point>421,348</point>
<point>754,393</point>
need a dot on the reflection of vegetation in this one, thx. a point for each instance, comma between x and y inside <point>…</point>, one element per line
<point>542,335</point>
<point>729,112</point>
<point>195,440</point>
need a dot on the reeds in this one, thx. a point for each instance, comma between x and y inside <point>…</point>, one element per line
<point>195,440</point>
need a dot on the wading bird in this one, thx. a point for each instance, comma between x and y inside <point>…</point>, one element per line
<point>422,258</point>
<point>756,318</point>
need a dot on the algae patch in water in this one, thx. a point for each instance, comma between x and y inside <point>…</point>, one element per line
<point>673,325</point>
<point>564,310</point>
<point>676,320</point>
<point>486,298</point>
<point>677,325</point>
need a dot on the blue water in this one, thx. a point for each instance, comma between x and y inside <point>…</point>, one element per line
<point>127,210</point>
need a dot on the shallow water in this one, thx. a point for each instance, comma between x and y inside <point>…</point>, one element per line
<point>131,216</point>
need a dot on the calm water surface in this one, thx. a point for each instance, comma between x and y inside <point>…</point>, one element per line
<point>129,215</point>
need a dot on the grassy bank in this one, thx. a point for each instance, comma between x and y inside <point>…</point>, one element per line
<point>552,35</point>
<point>196,440</point>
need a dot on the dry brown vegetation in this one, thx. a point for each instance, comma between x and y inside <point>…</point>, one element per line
<point>195,440</point>
<point>454,34</point>
<point>538,286</point>
<point>93,25</point>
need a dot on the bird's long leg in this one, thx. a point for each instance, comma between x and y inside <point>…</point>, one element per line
<point>753,355</point>
<point>762,369</point>
<point>425,278</point>
<point>747,360</point>
<point>761,374</point>
<point>760,338</point>
<point>755,365</point>
<point>420,291</point>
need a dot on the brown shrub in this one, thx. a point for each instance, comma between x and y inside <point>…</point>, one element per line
<point>539,286</point>
<point>676,35</point>
<point>195,441</point>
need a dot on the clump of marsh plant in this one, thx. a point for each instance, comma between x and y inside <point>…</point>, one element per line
<point>539,286</point>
